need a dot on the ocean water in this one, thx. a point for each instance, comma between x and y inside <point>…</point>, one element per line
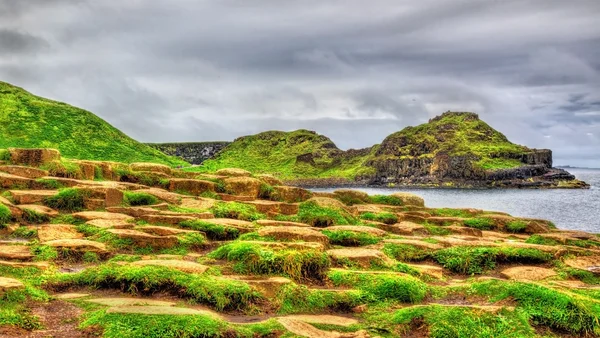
<point>568,209</point>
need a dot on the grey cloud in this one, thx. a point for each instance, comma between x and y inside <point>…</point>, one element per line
<point>355,71</point>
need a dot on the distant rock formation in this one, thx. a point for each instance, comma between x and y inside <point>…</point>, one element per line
<point>192,152</point>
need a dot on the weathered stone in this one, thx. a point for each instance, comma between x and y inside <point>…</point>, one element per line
<point>9,181</point>
<point>164,195</point>
<point>163,231</point>
<point>27,172</point>
<point>588,263</point>
<point>31,196</point>
<point>133,211</point>
<point>446,221</point>
<point>194,187</point>
<point>9,284</point>
<point>529,273</point>
<point>175,219</point>
<point>464,231</point>
<point>143,239</point>
<point>361,256</point>
<point>236,198</point>
<point>290,194</point>
<point>294,234</point>
<point>152,167</point>
<point>358,229</point>
<point>269,287</point>
<point>39,209</point>
<point>268,222</point>
<point>92,215</point>
<point>113,302</point>
<point>429,270</point>
<point>244,186</point>
<point>414,242</point>
<point>404,228</point>
<point>111,223</point>
<point>15,252</point>
<point>50,232</point>
<point>160,310</point>
<point>94,204</point>
<point>233,172</point>
<point>353,196</point>
<point>269,179</point>
<point>78,245</point>
<point>410,199</point>
<point>184,266</point>
<point>33,157</point>
<point>37,265</point>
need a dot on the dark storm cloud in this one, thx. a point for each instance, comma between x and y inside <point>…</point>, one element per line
<point>353,70</point>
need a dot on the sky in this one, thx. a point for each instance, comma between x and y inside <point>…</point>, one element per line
<point>354,70</point>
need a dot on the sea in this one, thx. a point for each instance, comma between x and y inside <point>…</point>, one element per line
<point>569,209</point>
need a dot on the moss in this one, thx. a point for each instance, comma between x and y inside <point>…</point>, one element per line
<point>24,232</point>
<point>212,231</point>
<point>383,217</point>
<point>481,223</point>
<point>447,212</point>
<point>350,238</point>
<point>33,216</point>
<point>44,253</point>
<point>219,293</point>
<point>30,121</point>
<point>70,199</point>
<point>49,183</point>
<point>253,258</point>
<point>386,199</point>
<point>382,286</point>
<point>311,213</point>
<point>406,252</point>
<point>295,298</point>
<point>236,210</point>
<point>537,239</point>
<point>14,309</point>
<point>516,226</point>
<point>139,198</point>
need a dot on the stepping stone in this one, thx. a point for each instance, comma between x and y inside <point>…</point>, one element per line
<point>270,207</point>
<point>175,218</point>
<point>164,231</point>
<point>324,319</point>
<point>31,196</point>
<point>294,234</point>
<point>92,215</point>
<point>171,197</point>
<point>71,295</point>
<point>429,270</point>
<point>303,329</point>
<point>133,211</point>
<point>50,232</point>
<point>39,265</point>
<point>78,245</point>
<point>198,203</point>
<point>152,167</point>
<point>39,209</point>
<point>16,252</point>
<point>192,186</point>
<point>161,310</point>
<point>291,194</point>
<point>358,229</point>
<point>361,256</point>
<point>22,171</point>
<point>143,239</point>
<point>416,243</point>
<point>114,302</point>
<point>111,224</point>
<point>290,245</point>
<point>183,266</point>
<point>529,273</point>
<point>269,287</point>
<point>446,221</point>
<point>404,228</point>
<point>266,222</point>
<point>9,181</point>
<point>464,231</point>
<point>233,172</point>
<point>588,263</point>
<point>8,284</point>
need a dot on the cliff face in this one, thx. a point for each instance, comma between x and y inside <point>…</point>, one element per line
<point>192,152</point>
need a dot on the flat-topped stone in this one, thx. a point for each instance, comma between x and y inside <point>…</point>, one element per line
<point>78,245</point>
<point>290,245</point>
<point>151,167</point>
<point>22,171</point>
<point>357,229</point>
<point>167,196</point>
<point>404,228</point>
<point>243,186</point>
<point>133,211</point>
<point>528,273</point>
<point>39,209</point>
<point>414,242</point>
<point>233,172</point>
<point>31,196</point>
<point>324,319</point>
<point>267,222</point>
<point>163,231</point>
<point>118,301</point>
<point>588,263</point>
<point>160,310</point>
<point>175,218</point>
<point>464,231</point>
<point>15,252</point>
<point>429,270</point>
<point>10,181</point>
<point>267,286</point>
<point>71,295</point>
<point>192,186</point>
<point>50,232</point>
<point>409,199</point>
<point>111,224</point>
<point>92,215</point>
<point>38,265</point>
<point>143,239</point>
<point>184,266</point>
<point>8,284</point>
<point>198,203</point>
<point>294,234</point>
<point>363,257</point>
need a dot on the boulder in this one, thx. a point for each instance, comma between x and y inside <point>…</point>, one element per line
<point>244,186</point>
<point>290,194</point>
<point>191,186</point>
<point>269,179</point>
<point>27,172</point>
<point>349,196</point>
<point>152,167</point>
<point>33,157</point>
<point>410,199</point>
<point>233,172</point>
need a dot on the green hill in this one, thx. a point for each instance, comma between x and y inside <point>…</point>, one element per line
<point>29,121</point>
<point>296,154</point>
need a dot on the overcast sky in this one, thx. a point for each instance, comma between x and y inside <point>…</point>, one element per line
<point>354,70</point>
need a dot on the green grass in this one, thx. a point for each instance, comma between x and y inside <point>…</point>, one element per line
<point>220,294</point>
<point>311,213</point>
<point>253,258</point>
<point>516,226</point>
<point>386,199</point>
<point>236,210</point>
<point>33,216</point>
<point>406,252</point>
<point>14,303</point>
<point>29,121</point>
<point>537,239</point>
<point>447,212</point>
<point>481,223</point>
<point>564,311</point>
<point>5,215</point>
<point>383,217</point>
<point>498,163</point>
<point>139,198</point>
<point>478,260</point>
<point>402,288</point>
<point>69,199</point>
<point>350,238</point>
<point>24,232</point>
<point>49,183</point>
<point>213,231</point>
<point>295,298</point>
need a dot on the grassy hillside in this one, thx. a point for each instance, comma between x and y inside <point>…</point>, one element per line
<point>29,121</point>
<point>454,134</point>
<point>296,154</point>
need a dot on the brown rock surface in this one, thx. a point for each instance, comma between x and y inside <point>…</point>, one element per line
<point>143,239</point>
<point>184,266</point>
<point>27,172</point>
<point>528,273</point>
<point>294,234</point>
<point>50,232</point>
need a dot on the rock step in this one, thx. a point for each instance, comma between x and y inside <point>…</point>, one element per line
<point>111,224</point>
<point>290,245</point>
<point>93,215</point>
<point>15,252</point>
<point>50,232</point>
<point>126,301</point>
<point>161,310</point>
<point>175,218</point>
<point>31,196</point>
<point>361,256</point>
<point>39,265</point>
<point>163,231</point>
<point>528,273</point>
<point>269,287</point>
<point>38,209</point>
<point>9,284</point>
<point>294,234</point>
<point>27,172</point>
<point>143,239</point>
<point>81,245</point>
<point>404,228</point>
<point>183,266</point>
<point>357,229</point>
<point>266,222</point>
